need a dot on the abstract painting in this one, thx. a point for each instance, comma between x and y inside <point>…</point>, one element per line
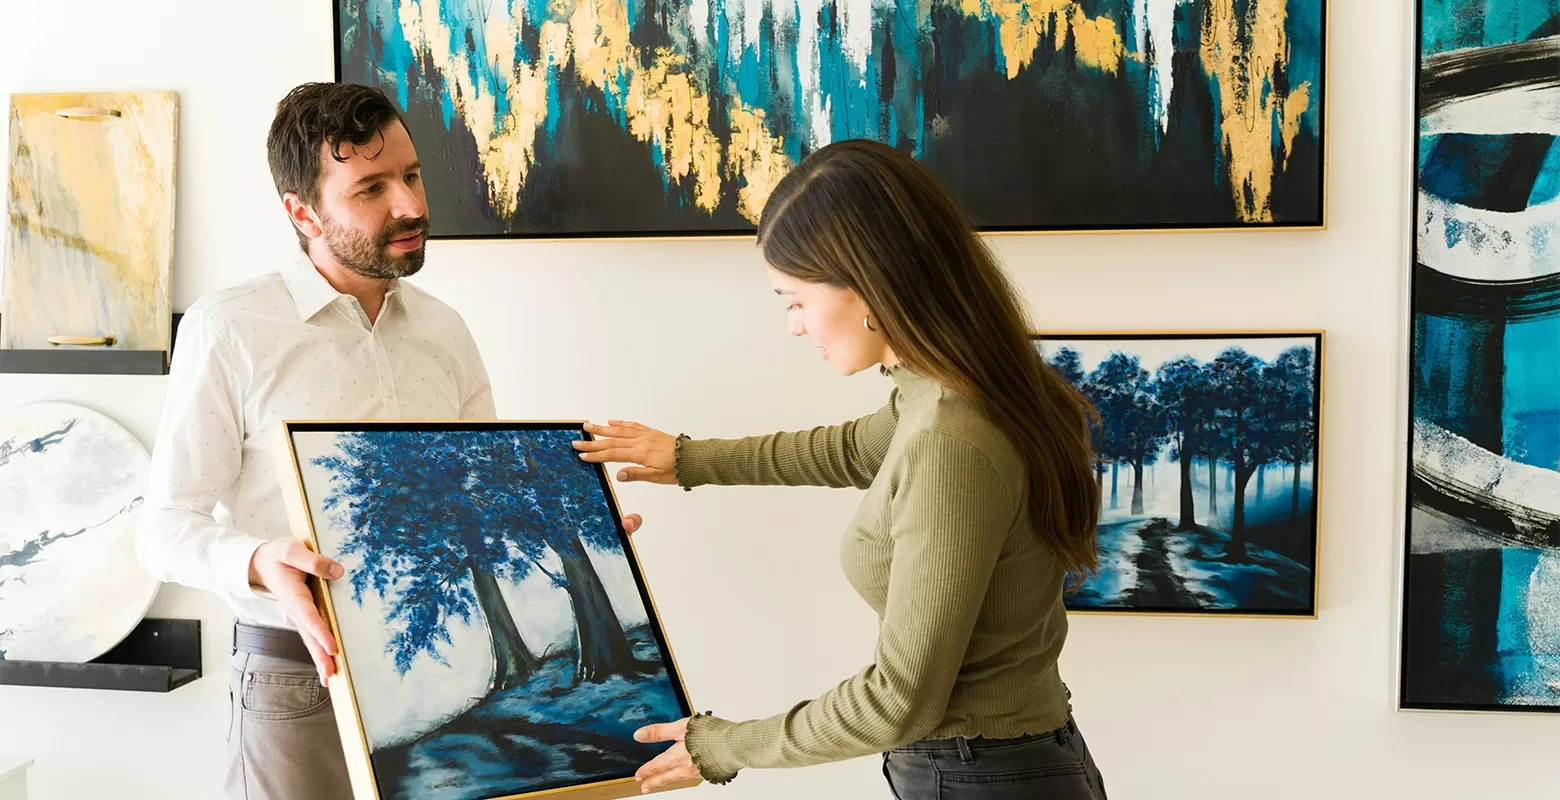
<point>497,636</point>
<point>89,238</point>
<point>623,118</point>
<point>71,485</point>
<point>1207,453</point>
<point>1481,604</point>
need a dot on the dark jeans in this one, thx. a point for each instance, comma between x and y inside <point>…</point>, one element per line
<point>1045,766</point>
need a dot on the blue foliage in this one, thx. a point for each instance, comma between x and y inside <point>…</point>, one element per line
<point>424,510</point>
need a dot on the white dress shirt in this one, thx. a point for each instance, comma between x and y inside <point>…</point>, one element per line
<point>284,346</point>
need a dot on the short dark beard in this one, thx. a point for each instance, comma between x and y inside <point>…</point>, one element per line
<point>368,256</point>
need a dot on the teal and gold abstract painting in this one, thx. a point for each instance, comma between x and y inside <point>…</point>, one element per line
<point>621,118</point>
<point>1481,611</point>
<point>89,233</point>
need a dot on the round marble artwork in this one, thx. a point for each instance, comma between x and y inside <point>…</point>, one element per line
<point>72,482</point>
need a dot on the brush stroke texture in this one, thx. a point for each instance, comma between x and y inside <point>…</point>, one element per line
<point>672,116</point>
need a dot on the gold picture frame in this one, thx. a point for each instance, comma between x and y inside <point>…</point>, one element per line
<point>1310,608</point>
<point>366,779</point>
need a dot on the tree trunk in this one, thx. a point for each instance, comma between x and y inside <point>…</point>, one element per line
<point>1236,552</point>
<point>1115,479</point>
<point>512,660</point>
<point>1294,494</point>
<point>1261,482</point>
<point>1099,475</point>
<point>603,646</point>
<point>1188,512</point>
<point>1213,492</point>
<point>1137,487</point>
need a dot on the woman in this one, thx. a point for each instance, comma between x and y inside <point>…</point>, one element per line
<point>980,497</point>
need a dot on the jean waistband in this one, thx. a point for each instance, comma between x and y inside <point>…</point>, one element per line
<point>963,745</point>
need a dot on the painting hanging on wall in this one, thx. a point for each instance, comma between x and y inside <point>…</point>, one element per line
<point>1207,448</point>
<point>497,636</point>
<point>89,236</point>
<point>632,118</point>
<point>1481,602</point>
<point>72,482</point>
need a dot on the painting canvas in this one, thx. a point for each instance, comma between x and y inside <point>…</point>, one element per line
<point>72,482</point>
<point>621,118</point>
<point>498,638</point>
<point>1207,449</point>
<point>89,236</point>
<point>1481,589</point>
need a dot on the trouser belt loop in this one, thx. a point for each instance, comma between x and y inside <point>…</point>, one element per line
<point>965,754</point>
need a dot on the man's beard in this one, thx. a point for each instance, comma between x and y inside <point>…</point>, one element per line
<point>369,256</point>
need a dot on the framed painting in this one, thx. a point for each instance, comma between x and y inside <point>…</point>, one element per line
<point>1207,446</point>
<point>676,118</point>
<point>497,637</point>
<point>1481,586</point>
<point>89,234</point>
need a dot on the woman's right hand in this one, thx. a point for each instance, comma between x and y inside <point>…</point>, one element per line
<point>655,452</point>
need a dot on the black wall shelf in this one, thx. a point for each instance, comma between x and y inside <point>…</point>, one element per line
<point>160,655</point>
<point>89,360</point>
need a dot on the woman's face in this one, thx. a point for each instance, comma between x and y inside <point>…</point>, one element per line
<point>832,318</point>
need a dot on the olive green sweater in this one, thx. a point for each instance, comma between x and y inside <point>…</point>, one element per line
<point>969,600</point>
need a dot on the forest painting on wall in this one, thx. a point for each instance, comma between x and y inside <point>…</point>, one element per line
<point>623,118</point>
<point>1481,603</point>
<point>1207,446</point>
<point>497,636</point>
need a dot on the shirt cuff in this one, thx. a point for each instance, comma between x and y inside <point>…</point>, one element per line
<point>707,747</point>
<point>230,563</point>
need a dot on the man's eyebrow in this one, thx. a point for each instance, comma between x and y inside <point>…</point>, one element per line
<point>416,165</point>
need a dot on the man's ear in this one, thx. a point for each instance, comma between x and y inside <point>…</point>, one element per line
<point>303,217</point>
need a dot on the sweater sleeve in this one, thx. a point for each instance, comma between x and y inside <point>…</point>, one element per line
<point>838,456</point>
<point>951,514</point>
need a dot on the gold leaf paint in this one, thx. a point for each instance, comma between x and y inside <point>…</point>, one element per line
<point>663,104</point>
<point>1249,109</point>
<point>1295,106</point>
<point>89,244</point>
<point>1023,25</point>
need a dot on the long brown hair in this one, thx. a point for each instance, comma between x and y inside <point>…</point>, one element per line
<point>862,215</point>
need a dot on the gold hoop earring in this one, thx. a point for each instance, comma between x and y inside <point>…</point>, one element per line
<point>866,322</point>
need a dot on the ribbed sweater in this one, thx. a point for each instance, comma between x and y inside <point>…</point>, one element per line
<point>969,600</point>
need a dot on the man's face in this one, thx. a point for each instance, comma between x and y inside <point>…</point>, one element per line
<point>372,207</point>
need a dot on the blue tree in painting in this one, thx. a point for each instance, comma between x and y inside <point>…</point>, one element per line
<point>1186,402</point>
<point>432,562</point>
<point>1244,428</point>
<point>1133,421</point>
<point>1291,378</point>
<point>506,499</point>
<point>553,512</point>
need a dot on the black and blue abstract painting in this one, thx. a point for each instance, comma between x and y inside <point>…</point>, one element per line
<point>1481,611</point>
<point>1206,446</point>
<point>498,636</point>
<point>616,118</point>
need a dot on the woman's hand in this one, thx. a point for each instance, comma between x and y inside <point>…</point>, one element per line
<point>672,766</point>
<point>629,442</point>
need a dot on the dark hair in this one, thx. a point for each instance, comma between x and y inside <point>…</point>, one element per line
<point>862,215</point>
<point>316,114</point>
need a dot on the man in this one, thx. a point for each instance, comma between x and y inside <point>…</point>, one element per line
<point>335,334</point>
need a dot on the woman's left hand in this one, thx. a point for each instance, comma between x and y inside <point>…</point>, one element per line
<point>672,766</point>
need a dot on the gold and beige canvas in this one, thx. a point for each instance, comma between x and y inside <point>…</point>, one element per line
<point>89,233</point>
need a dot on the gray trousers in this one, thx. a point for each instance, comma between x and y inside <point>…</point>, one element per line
<point>282,741</point>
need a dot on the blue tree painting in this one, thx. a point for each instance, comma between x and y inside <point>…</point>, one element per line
<point>497,632</point>
<point>1481,610</point>
<point>678,117</point>
<point>1211,533</point>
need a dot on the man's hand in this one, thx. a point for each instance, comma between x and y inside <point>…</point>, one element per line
<point>282,567</point>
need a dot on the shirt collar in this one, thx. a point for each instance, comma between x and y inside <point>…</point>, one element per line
<point>311,293</point>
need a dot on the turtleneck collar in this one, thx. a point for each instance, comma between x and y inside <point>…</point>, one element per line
<point>911,384</point>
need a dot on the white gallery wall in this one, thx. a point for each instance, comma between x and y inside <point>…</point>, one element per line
<point>686,336</point>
